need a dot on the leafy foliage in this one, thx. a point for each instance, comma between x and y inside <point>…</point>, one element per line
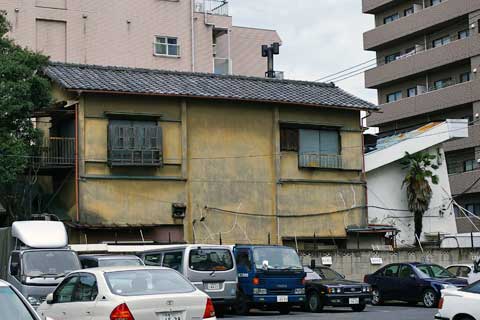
<point>419,168</point>
<point>22,90</point>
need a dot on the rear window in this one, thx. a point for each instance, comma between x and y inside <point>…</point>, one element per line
<point>211,260</point>
<point>120,263</point>
<point>12,307</point>
<point>147,282</point>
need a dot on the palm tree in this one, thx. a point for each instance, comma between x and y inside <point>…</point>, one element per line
<point>419,168</point>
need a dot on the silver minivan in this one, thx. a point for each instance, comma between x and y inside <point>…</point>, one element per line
<point>211,268</point>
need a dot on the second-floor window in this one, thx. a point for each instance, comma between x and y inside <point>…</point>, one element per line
<point>391,18</point>
<point>463,34</point>
<point>392,57</point>
<point>317,148</point>
<point>166,46</point>
<point>468,165</point>
<point>441,41</point>
<point>395,96</point>
<point>443,83</point>
<point>134,143</point>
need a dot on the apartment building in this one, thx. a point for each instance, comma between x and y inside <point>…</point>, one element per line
<point>428,55</point>
<point>182,35</point>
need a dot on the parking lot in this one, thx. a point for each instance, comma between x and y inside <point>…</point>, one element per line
<point>393,311</point>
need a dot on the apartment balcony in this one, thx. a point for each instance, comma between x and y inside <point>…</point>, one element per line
<point>374,6</point>
<point>465,182</point>
<point>433,100</point>
<point>422,61</point>
<point>214,7</point>
<point>472,141</point>
<point>57,152</point>
<point>418,23</point>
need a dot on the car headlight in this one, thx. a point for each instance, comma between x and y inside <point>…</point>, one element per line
<point>300,291</point>
<point>34,301</point>
<point>364,289</point>
<point>334,290</point>
<point>259,291</point>
<point>446,286</point>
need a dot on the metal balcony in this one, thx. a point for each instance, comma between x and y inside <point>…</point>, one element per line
<point>57,152</point>
<point>215,7</point>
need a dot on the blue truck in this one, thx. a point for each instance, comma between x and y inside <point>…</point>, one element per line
<point>269,277</point>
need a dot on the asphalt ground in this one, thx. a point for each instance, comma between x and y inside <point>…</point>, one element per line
<point>385,312</point>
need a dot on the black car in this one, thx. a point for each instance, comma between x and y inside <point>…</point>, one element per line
<point>326,287</point>
<point>412,282</point>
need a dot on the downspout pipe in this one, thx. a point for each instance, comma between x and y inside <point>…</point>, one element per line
<point>77,180</point>
<point>364,174</point>
<point>192,20</point>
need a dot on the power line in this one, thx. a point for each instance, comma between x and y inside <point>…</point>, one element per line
<point>348,69</point>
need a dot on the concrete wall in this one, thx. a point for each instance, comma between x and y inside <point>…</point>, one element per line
<point>219,156</point>
<point>385,190</point>
<point>122,33</point>
<point>356,264</point>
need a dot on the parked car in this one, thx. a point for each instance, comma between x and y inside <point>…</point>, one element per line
<point>211,268</point>
<point>411,282</point>
<point>269,277</point>
<point>326,287</point>
<point>127,293</point>
<point>105,260</point>
<point>460,304</point>
<point>13,305</point>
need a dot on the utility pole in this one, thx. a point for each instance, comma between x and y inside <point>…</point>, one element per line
<point>269,52</point>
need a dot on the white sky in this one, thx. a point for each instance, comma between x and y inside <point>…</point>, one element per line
<point>320,37</point>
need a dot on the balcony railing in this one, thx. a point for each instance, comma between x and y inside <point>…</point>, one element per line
<point>57,152</point>
<point>315,160</point>
<point>216,7</point>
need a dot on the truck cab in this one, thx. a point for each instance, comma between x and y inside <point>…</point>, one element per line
<point>269,277</point>
<point>40,259</point>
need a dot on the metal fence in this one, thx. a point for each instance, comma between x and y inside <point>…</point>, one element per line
<point>216,7</point>
<point>58,152</point>
<point>315,160</point>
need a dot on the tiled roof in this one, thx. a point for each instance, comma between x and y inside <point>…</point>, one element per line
<point>200,85</point>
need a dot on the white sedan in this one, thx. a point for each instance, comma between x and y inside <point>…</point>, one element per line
<point>127,293</point>
<point>460,304</point>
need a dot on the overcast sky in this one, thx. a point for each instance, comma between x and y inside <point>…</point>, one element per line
<point>320,37</point>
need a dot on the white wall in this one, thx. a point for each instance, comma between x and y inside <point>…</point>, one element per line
<point>385,190</point>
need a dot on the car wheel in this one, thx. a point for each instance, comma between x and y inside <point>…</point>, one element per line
<point>314,303</point>
<point>430,298</point>
<point>241,306</point>
<point>220,311</point>
<point>284,309</point>
<point>359,308</point>
<point>376,297</point>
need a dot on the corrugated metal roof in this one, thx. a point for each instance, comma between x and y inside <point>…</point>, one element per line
<point>199,85</point>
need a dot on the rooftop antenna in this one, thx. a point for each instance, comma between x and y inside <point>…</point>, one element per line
<point>269,52</point>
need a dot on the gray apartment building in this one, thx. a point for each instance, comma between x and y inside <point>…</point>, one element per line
<point>428,59</point>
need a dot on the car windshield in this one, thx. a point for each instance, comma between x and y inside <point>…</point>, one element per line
<point>277,258</point>
<point>147,282</point>
<point>211,260</point>
<point>328,274</point>
<point>49,263</point>
<point>12,307</point>
<point>434,271</point>
<point>120,262</point>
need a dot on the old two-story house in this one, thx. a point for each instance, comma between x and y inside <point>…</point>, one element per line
<point>182,35</point>
<point>140,154</point>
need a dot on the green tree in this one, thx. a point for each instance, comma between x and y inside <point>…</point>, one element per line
<point>22,91</point>
<point>419,167</point>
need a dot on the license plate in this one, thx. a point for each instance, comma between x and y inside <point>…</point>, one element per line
<point>354,301</point>
<point>213,286</point>
<point>171,316</point>
<point>282,298</point>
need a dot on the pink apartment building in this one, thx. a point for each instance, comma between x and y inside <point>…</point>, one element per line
<point>183,35</point>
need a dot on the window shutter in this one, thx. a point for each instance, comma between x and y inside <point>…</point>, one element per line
<point>329,142</point>
<point>309,141</point>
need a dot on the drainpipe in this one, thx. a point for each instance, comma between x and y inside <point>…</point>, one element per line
<point>364,174</point>
<point>192,20</point>
<point>77,206</point>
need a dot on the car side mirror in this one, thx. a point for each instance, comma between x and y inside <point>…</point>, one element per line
<point>49,298</point>
<point>342,276</point>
